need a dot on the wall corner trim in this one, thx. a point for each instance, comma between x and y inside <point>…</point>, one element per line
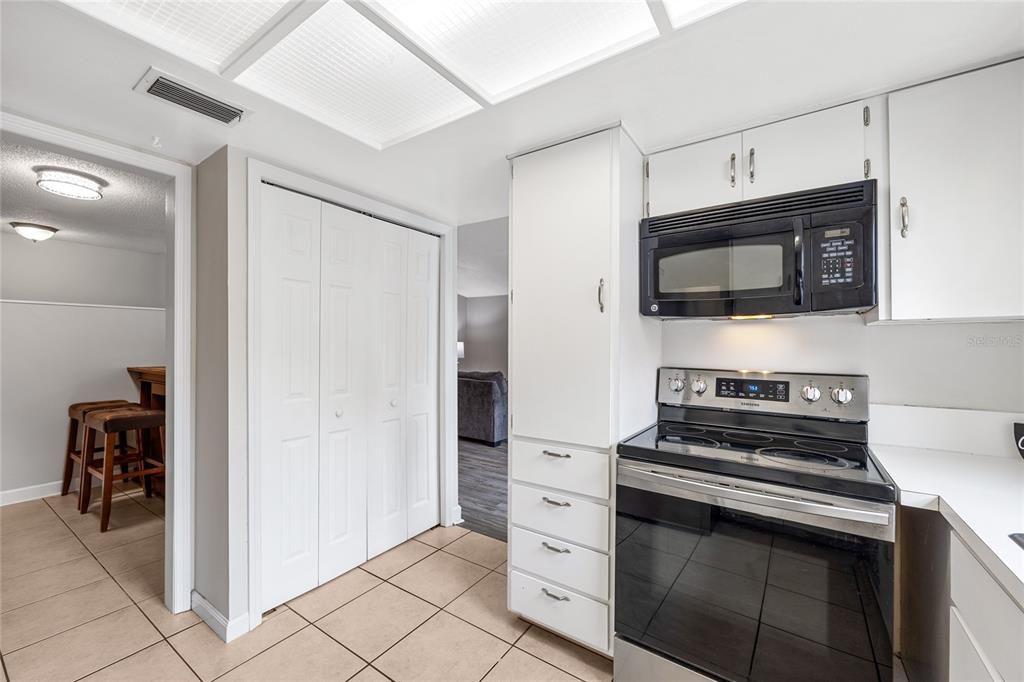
<point>226,629</point>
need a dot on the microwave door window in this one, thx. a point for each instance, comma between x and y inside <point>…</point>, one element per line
<point>739,269</point>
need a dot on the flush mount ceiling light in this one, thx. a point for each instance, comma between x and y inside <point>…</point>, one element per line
<point>684,12</point>
<point>34,232</point>
<point>69,184</point>
<point>501,49</point>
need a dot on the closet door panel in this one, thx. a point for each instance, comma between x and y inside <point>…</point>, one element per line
<point>344,347</point>
<point>288,323</point>
<point>387,524</point>
<point>421,383</point>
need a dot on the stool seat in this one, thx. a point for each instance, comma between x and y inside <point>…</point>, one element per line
<point>79,410</point>
<point>76,418</point>
<point>120,419</point>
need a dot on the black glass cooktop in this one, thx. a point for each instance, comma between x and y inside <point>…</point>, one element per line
<point>818,464</point>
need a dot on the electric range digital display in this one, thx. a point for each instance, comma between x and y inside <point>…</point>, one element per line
<point>752,389</point>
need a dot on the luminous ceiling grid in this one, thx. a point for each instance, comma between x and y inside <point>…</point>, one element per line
<point>342,70</point>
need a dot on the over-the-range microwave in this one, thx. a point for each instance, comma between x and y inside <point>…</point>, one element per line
<point>805,252</point>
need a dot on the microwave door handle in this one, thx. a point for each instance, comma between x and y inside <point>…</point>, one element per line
<point>798,257</point>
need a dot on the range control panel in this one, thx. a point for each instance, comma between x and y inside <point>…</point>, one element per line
<point>827,396</point>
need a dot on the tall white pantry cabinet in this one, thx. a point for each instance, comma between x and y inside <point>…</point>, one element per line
<point>346,373</point>
<point>582,373</point>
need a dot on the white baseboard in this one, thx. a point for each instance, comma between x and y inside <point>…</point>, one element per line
<point>454,516</point>
<point>224,628</point>
<point>32,492</point>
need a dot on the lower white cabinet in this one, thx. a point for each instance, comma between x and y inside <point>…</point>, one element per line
<point>345,377</point>
<point>571,469</point>
<point>565,611</point>
<point>966,662</point>
<point>560,515</point>
<point>563,562</point>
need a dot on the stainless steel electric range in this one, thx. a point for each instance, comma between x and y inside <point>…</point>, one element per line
<point>754,533</point>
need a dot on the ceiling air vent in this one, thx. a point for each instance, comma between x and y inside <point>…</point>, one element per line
<point>161,85</point>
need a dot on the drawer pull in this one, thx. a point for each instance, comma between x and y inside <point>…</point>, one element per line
<point>556,597</point>
<point>559,455</point>
<point>557,550</point>
<point>556,503</point>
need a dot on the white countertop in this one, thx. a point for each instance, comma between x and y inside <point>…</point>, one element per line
<point>981,496</point>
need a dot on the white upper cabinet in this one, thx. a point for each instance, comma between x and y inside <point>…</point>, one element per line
<point>957,196</point>
<point>697,175</point>
<point>816,150</point>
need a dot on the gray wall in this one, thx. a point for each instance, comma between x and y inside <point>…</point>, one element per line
<point>486,334</point>
<point>973,366</point>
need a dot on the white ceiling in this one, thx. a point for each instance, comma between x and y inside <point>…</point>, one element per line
<point>752,63</point>
<point>483,258</point>
<point>131,215</point>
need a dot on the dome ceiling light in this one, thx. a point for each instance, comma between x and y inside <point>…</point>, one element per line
<point>69,184</point>
<point>34,232</point>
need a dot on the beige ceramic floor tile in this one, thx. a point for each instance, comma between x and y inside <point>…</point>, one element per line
<point>14,563</point>
<point>143,583</point>
<point>479,549</point>
<point>133,555</point>
<point>483,605</point>
<point>210,657</point>
<point>66,506</point>
<point>156,505</point>
<point>166,622</point>
<point>47,533</point>
<point>573,659</point>
<point>397,559</point>
<point>24,515</point>
<point>441,536</point>
<point>373,622</point>
<point>158,662</point>
<point>48,582</point>
<point>519,666</point>
<point>307,655</point>
<point>439,578</point>
<point>128,522</point>
<point>42,619</point>
<point>316,604</point>
<point>443,648</point>
<point>503,569</point>
<point>77,652</point>
<point>369,674</point>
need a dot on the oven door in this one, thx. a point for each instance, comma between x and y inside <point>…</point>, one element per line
<point>742,580</point>
<point>748,269</point>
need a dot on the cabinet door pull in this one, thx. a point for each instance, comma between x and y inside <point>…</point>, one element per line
<point>600,294</point>
<point>732,170</point>
<point>751,164</point>
<point>556,597</point>
<point>557,550</point>
<point>904,217</point>
<point>556,503</point>
<point>559,455</point>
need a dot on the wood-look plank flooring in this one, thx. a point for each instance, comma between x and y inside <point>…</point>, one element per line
<point>483,487</point>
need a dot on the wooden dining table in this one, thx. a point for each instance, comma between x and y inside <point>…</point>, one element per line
<point>152,382</point>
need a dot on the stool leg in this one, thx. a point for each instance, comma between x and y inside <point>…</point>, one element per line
<point>85,480</point>
<point>122,446</point>
<point>142,435</point>
<point>109,453</point>
<point>69,464</point>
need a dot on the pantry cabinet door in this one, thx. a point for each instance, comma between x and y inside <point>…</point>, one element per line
<point>695,176</point>
<point>560,314</point>
<point>288,367</point>
<point>816,150</point>
<point>955,165</point>
<point>387,497</point>
<point>344,404</point>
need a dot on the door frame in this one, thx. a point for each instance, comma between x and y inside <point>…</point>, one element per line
<point>178,534</point>
<point>258,172</point>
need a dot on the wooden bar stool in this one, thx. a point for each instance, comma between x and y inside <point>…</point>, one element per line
<point>76,418</point>
<point>149,457</point>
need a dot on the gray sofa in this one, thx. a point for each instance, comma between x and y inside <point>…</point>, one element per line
<point>483,406</point>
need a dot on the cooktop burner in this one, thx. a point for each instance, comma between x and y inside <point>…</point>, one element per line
<point>683,429</point>
<point>821,445</point>
<point>692,440</point>
<point>804,458</point>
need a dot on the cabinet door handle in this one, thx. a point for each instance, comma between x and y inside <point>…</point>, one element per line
<point>559,455</point>
<point>751,164</point>
<point>600,294</point>
<point>732,170</point>
<point>904,217</point>
<point>556,503</point>
<point>557,550</point>
<point>556,597</point>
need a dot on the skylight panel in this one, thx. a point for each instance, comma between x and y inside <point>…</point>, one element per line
<point>684,12</point>
<point>205,32</point>
<point>502,48</point>
<point>340,69</point>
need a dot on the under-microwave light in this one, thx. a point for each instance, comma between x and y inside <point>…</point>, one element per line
<point>751,317</point>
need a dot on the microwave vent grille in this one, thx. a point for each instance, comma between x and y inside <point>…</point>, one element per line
<point>758,209</point>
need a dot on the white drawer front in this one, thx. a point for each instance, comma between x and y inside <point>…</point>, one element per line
<point>574,615</point>
<point>987,611</point>
<point>965,661</point>
<point>582,569</point>
<point>554,466</point>
<point>561,515</point>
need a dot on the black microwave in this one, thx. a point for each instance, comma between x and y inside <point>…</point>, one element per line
<point>805,252</point>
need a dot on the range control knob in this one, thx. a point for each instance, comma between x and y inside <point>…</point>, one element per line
<point>698,386</point>
<point>676,384</point>
<point>810,393</point>
<point>842,396</point>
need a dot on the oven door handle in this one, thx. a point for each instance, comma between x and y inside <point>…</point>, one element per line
<point>732,497</point>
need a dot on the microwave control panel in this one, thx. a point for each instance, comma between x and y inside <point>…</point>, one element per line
<point>838,253</point>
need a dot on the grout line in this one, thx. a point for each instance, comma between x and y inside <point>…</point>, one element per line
<point>532,655</point>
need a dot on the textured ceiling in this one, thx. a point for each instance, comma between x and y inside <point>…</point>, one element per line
<point>131,214</point>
